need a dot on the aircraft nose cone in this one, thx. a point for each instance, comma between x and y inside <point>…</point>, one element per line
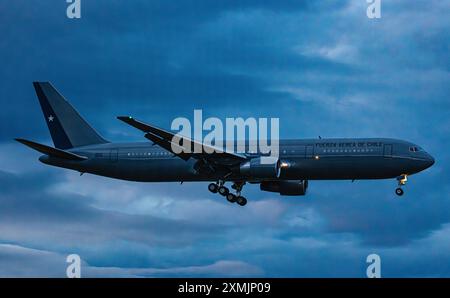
<point>430,161</point>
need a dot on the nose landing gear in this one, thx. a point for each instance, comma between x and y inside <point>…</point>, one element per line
<point>399,192</point>
<point>220,188</point>
<point>402,179</point>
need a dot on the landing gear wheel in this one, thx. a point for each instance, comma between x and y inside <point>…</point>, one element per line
<point>213,187</point>
<point>399,191</point>
<point>241,201</point>
<point>223,190</point>
<point>231,198</point>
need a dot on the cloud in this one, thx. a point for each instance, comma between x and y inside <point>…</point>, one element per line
<point>35,216</point>
<point>26,262</point>
<point>340,52</point>
<point>323,68</point>
<point>217,269</point>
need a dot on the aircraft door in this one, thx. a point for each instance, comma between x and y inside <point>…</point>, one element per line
<point>114,155</point>
<point>309,151</point>
<point>387,150</point>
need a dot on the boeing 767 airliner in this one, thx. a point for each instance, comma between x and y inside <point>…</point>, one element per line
<point>79,147</point>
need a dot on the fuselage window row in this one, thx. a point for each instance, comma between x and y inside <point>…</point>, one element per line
<point>145,154</point>
<point>332,151</point>
<point>346,150</point>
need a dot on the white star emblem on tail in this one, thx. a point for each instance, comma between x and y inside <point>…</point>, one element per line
<point>50,118</point>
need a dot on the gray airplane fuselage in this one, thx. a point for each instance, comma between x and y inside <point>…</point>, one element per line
<point>306,159</point>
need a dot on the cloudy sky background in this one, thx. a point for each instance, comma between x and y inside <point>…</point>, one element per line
<point>322,67</point>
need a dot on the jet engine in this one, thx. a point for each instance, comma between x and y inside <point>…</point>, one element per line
<point>286,187</point>
<point>255,168</point>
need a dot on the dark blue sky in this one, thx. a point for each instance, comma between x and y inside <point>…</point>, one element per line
<point>322,67</point>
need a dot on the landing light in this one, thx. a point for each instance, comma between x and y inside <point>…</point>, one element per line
<point>403,179</point>
<point>316,157</point>
<point>284,165</point>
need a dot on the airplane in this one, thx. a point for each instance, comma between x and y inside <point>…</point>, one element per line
<point>77,146</point>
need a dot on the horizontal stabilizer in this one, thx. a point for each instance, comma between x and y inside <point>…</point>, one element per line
<point>51,151</point>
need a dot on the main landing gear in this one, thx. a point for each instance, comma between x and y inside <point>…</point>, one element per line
<point>220,188</point>
<point>402,179</point>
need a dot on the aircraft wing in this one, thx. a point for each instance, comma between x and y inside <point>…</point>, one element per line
<point>165,139</point>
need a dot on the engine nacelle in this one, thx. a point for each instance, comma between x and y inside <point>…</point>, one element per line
<point>254,168</point>
<point>286,187</point>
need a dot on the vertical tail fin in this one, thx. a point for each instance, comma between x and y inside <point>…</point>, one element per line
<point>67,128</point>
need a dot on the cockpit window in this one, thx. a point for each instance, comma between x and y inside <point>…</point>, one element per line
<point>414,149</point>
